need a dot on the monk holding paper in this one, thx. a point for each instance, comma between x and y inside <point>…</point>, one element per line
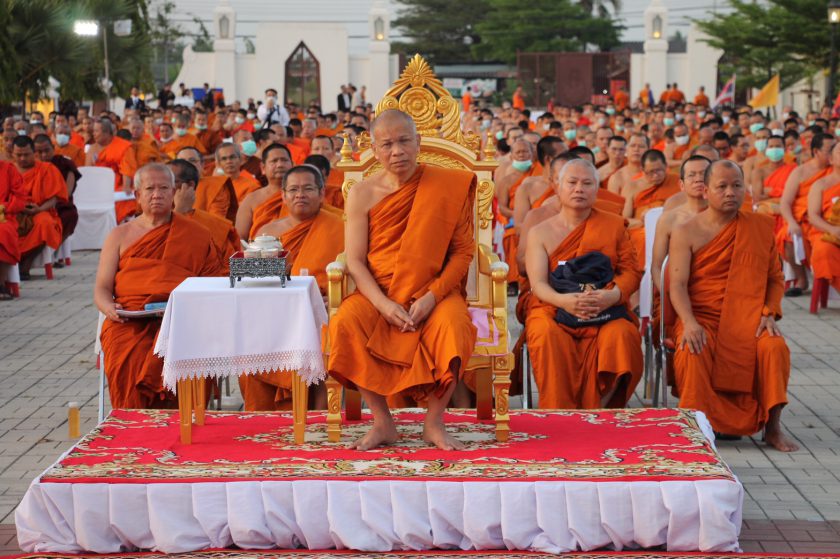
<point>584,342</point>
<point>141,262</point>
<point>409,244</point>
<point>726,286</point>
<point>313,238</point>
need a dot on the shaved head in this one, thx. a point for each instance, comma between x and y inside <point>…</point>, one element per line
<point>706,151</point>
<point>392,117</point>
<point>721,163</point>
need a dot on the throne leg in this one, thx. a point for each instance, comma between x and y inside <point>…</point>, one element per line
<point>333,410</point>
<point>484,393</point>
<point>501,383</point>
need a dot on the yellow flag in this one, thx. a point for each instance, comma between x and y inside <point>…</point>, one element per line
<point>768,96</point>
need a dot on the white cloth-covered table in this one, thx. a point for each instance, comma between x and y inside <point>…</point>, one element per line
<point>212,330</point>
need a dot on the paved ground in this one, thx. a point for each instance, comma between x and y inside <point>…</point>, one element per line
<point>46,361</point>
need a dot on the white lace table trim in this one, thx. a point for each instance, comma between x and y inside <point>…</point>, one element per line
<point>309,364</point>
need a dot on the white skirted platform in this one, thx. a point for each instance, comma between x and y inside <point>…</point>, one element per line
<point>552,488</point>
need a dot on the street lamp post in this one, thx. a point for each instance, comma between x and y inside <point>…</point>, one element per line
<point>90,28</point>
<point>833,20</point>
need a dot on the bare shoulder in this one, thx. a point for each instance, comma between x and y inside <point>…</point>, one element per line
<point>275,228</point>
<point>362,195</point>
<point>254,198</point>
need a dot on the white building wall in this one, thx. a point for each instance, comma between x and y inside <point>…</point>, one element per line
<point>677,72</point>
<point>701,65</point>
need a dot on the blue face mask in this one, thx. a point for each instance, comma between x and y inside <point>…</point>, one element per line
<point>62,139</point>
<point>582,143</point>
<point>570,134</point>
<point>522,166</point>
<point>760,145</point>
<point>775,154</point>
<point>755,127</point>
<point>596,150</point>
<point>500,135</point>
<point>669,122</point>
<point>249,147</point>
<point>610,111</point>
<point>798,149</point>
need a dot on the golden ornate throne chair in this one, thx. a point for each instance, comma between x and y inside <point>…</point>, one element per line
<point>437,115</point>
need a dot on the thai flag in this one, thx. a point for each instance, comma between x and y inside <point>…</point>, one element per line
<point>835,110</point>
<point>727,94</point>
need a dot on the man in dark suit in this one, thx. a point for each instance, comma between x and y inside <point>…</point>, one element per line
<point>134,101</point>
<point>345,99</point>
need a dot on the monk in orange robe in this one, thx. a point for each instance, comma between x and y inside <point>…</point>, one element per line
<point>769,180</point>
<point>523,167</point>
<point>221,194</point>
<point>13,199</point>
<point>209,136</point>
<point>266,204</point>
<point>622,99</point>
<point>224,236</point>
<point>651,192</point>
<point>333,196</point>
<point>45,188</point>
<point>726,285</point>
<point>616,153</point>
<point>108,151</point>
<point>407,327</point>
<point>591,365</point>
<point>824,217</point>
<point>141,262</point>
<point>65,148</point>
<point>701,99</point>
<point>143,151</point>
<point>313,238</point>
<point>537,187</point>
<point>637,145</point>
<point>793,206</point>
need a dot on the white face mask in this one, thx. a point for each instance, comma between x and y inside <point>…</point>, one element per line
<point>681,140</point>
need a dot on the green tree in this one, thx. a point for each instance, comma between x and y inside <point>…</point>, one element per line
<point>600,7</point>
<point>37,42</point>
<point>202,41</point>
<point>440,30</point>
<point>541,26</point>
<point>788,37</point>
<point>167,41</point>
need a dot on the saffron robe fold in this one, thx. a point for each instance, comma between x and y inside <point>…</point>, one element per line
<point>412,251</point>
<point>774,187</point>
<point>72,152</point>
<point>245,184</point>
<point>651,197</point>
<point>825,256</point>
<point>141,152</point>
<point>111,156</point>
<point>42,182</point>
<point>312,244</point>
<point>737,378</point>
<point>13,198</point>
<point>271,209</point>
<point>332,189</point>
<point>216,194</point>
<point>575,367</point>
<point>510,240</point>
<point>224,235</point>
<point>148,272</point>
<point>609,201</point>
<point>171,148</point>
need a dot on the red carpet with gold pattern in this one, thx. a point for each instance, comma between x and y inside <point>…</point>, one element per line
<point>142,446</point>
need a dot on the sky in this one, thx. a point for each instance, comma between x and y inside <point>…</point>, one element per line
<point>679,16</point>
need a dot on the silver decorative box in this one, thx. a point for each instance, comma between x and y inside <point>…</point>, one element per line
<point>241,267</point>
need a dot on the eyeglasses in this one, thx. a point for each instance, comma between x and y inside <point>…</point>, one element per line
<point>308,190</point>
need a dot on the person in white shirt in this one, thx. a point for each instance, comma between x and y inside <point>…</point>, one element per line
<point>271,111</point>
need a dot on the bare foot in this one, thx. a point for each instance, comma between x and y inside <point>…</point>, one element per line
<point>778,440</point>
<point>381,434</point>
<point>435,433</point>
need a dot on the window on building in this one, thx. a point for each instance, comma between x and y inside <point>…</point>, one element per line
<point>303,77</point>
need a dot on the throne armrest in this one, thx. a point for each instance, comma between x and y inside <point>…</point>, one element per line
<point>490,265</point>
<point>336,283</point>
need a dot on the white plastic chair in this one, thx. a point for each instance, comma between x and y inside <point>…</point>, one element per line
<point>646,296</point>
<point>94,199</point>
<point>13,281</point>
<point>45,259</point>
<point>100,364</point>
<point>65,252</point>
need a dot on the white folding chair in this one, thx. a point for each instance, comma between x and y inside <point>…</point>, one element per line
<point>64,252</point>
<point>45,259</point>
<point>94,199</point>
<point>646,297</point>
<point>13,281</point>
<point>100,364</point>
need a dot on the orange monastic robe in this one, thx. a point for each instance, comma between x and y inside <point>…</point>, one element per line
<point>141,152</point>
<point>72,152</point>
<point>735,279</point>
<point>800,213</point>
<point>574,367</point>
<point>510,240</point>
<point>42,182</point>
<point>216,194</point>
<point>825,256</point>
<point>171,148</point>
<point>148,272</point>
<point>332,189</point>
<point>245,184</point>
<point>774,187</point>
<point>651,197</point>
<point>609,201</point>
<point>13,198</point>
<point>111,156</point>
<point>270,210</point>
<point>412,251</point>
<point>224,235</point>
<point>312,244</point>
<point>210,139</point>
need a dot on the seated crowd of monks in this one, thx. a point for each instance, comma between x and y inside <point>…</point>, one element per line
<point>573,187</point>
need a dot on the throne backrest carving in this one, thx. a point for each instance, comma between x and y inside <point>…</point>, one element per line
<point>420,94</point>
